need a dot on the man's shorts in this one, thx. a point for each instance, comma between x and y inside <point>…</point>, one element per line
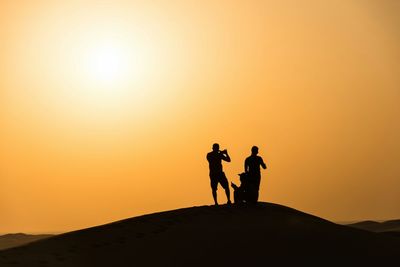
<point>216,178</point>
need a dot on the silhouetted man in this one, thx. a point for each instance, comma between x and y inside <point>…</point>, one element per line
<point>215,158</point>
<point>252,168</point>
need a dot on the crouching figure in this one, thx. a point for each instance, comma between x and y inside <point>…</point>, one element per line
<point>247,192</point>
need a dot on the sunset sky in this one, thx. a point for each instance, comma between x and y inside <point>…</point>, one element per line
<point>108,108</point>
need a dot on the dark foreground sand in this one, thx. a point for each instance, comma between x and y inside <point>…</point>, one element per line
<point>263,235</point>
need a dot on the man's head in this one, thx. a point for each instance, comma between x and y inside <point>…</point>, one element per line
<point>215,147</point>
<point>254,150</point>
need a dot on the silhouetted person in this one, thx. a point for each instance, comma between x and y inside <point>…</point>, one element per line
<point>246,192</point>
<point>252,168</point>
<point>215,158</point>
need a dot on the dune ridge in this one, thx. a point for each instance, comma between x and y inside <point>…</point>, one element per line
<point>210,236</point>
<point>380,227</point>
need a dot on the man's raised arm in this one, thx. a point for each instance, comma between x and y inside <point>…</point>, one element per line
<point>226,157</point>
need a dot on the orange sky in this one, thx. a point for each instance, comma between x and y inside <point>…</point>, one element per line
<point>107,108</point>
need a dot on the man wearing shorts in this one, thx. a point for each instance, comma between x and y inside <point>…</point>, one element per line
<point>215,158</point>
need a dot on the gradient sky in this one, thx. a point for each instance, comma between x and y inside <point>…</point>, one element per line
<point>108,108</point>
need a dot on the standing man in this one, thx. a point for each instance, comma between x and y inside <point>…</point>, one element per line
<point>252,168</point>
<point>215,158</point>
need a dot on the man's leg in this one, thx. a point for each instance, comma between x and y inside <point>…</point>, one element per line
<point>214,193</point>
<point>228,195</point>
<point>214,184</point>
<point>225,185</point>
<point>258,180</point>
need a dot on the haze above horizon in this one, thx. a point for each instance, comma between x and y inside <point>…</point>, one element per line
<point>107,109</point>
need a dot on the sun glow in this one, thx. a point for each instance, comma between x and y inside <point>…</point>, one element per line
<point>102,65</point>
<point>106,64</point>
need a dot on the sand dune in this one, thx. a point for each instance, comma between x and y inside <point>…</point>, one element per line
<point>18,239</point>
<point>380,227</point>
<point>211,236</point>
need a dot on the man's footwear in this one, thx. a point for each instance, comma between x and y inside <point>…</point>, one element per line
<point>229,202</point>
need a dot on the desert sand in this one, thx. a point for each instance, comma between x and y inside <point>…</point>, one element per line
<point>391,226</point>
<point>262,235</point>
<point>18,239</point>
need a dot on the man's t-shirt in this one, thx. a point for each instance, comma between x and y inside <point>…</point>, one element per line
<point>215,162</point>
<point>253,164</point>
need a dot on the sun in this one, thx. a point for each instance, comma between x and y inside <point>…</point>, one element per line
<point>106,64</point>
<point>114,77</point>
<point>105,79</point>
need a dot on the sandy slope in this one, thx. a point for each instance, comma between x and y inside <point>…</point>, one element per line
<point>18,239</point>
<point>380,227</point>
<point>211,236</point>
